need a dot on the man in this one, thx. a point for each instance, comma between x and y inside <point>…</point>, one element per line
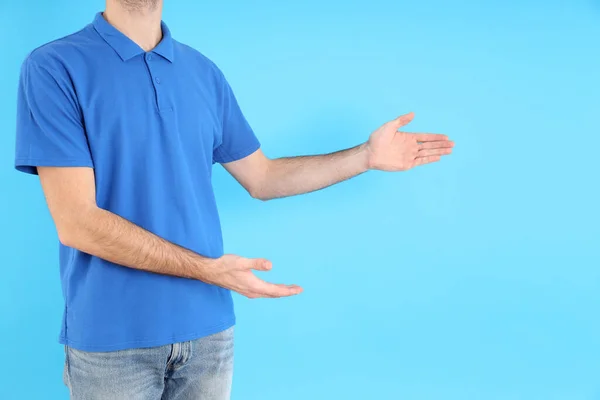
<point>123,124</point>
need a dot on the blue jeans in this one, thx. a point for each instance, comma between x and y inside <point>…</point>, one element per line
<point>201,369</point>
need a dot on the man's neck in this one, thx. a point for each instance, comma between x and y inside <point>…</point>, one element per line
<point>141,25</point>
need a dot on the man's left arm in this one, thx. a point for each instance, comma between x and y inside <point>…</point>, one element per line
<point>388,149</point>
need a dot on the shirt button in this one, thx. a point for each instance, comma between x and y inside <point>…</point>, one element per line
<point>157,80</point>
<point>148,57</point>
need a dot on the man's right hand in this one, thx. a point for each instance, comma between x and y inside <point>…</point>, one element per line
<point>235,273</point>
<point>81,224</point>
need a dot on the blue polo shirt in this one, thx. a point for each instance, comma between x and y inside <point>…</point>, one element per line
<point>151,125</point>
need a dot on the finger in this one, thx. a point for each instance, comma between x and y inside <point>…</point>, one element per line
<point>272,295</point>
<point>288,286</point>
<point>430,137</point>
<point>434,152</point>
<point>440,144</point>
<point>260,264</point>
<point>262,296</point>
<point>404,119</point>
<point>276,290</point>
<point>294,288</point>
<point>426,160</point>
<point>253,295</point>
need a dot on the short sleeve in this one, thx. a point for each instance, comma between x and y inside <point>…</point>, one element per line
<point>238,138</point>
<point>50,130</point>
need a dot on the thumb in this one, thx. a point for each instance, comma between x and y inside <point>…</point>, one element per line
<point>260,264</point>
<point>404,119</point>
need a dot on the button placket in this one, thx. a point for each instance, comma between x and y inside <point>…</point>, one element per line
<point>156,81</point>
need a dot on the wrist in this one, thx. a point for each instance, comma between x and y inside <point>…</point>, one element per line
<point>364,157</point>
<point>208,269</point>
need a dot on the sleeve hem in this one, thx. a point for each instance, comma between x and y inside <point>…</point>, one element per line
<point>29,165</point>
<point>238,155</point>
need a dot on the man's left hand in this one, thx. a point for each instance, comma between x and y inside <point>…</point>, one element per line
<point>390,149</point>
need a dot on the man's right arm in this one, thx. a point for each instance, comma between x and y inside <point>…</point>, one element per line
<point>81,224</point>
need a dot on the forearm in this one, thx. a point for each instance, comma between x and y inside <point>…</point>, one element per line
<point>108,236</point>
<point>296,175</point>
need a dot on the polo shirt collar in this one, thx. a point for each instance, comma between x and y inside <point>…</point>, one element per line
<point>127,48</point>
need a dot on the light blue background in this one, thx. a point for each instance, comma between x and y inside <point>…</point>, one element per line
<point>474,278</point>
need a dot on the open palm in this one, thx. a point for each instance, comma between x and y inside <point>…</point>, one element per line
<point>390,149</point>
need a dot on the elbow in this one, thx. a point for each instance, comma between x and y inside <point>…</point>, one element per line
<point>72,230</point>
<point>258,190</point>
<point>259,187</point>
<point>258,195</point>
<point>66,240</point>
<point>68,237</point>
